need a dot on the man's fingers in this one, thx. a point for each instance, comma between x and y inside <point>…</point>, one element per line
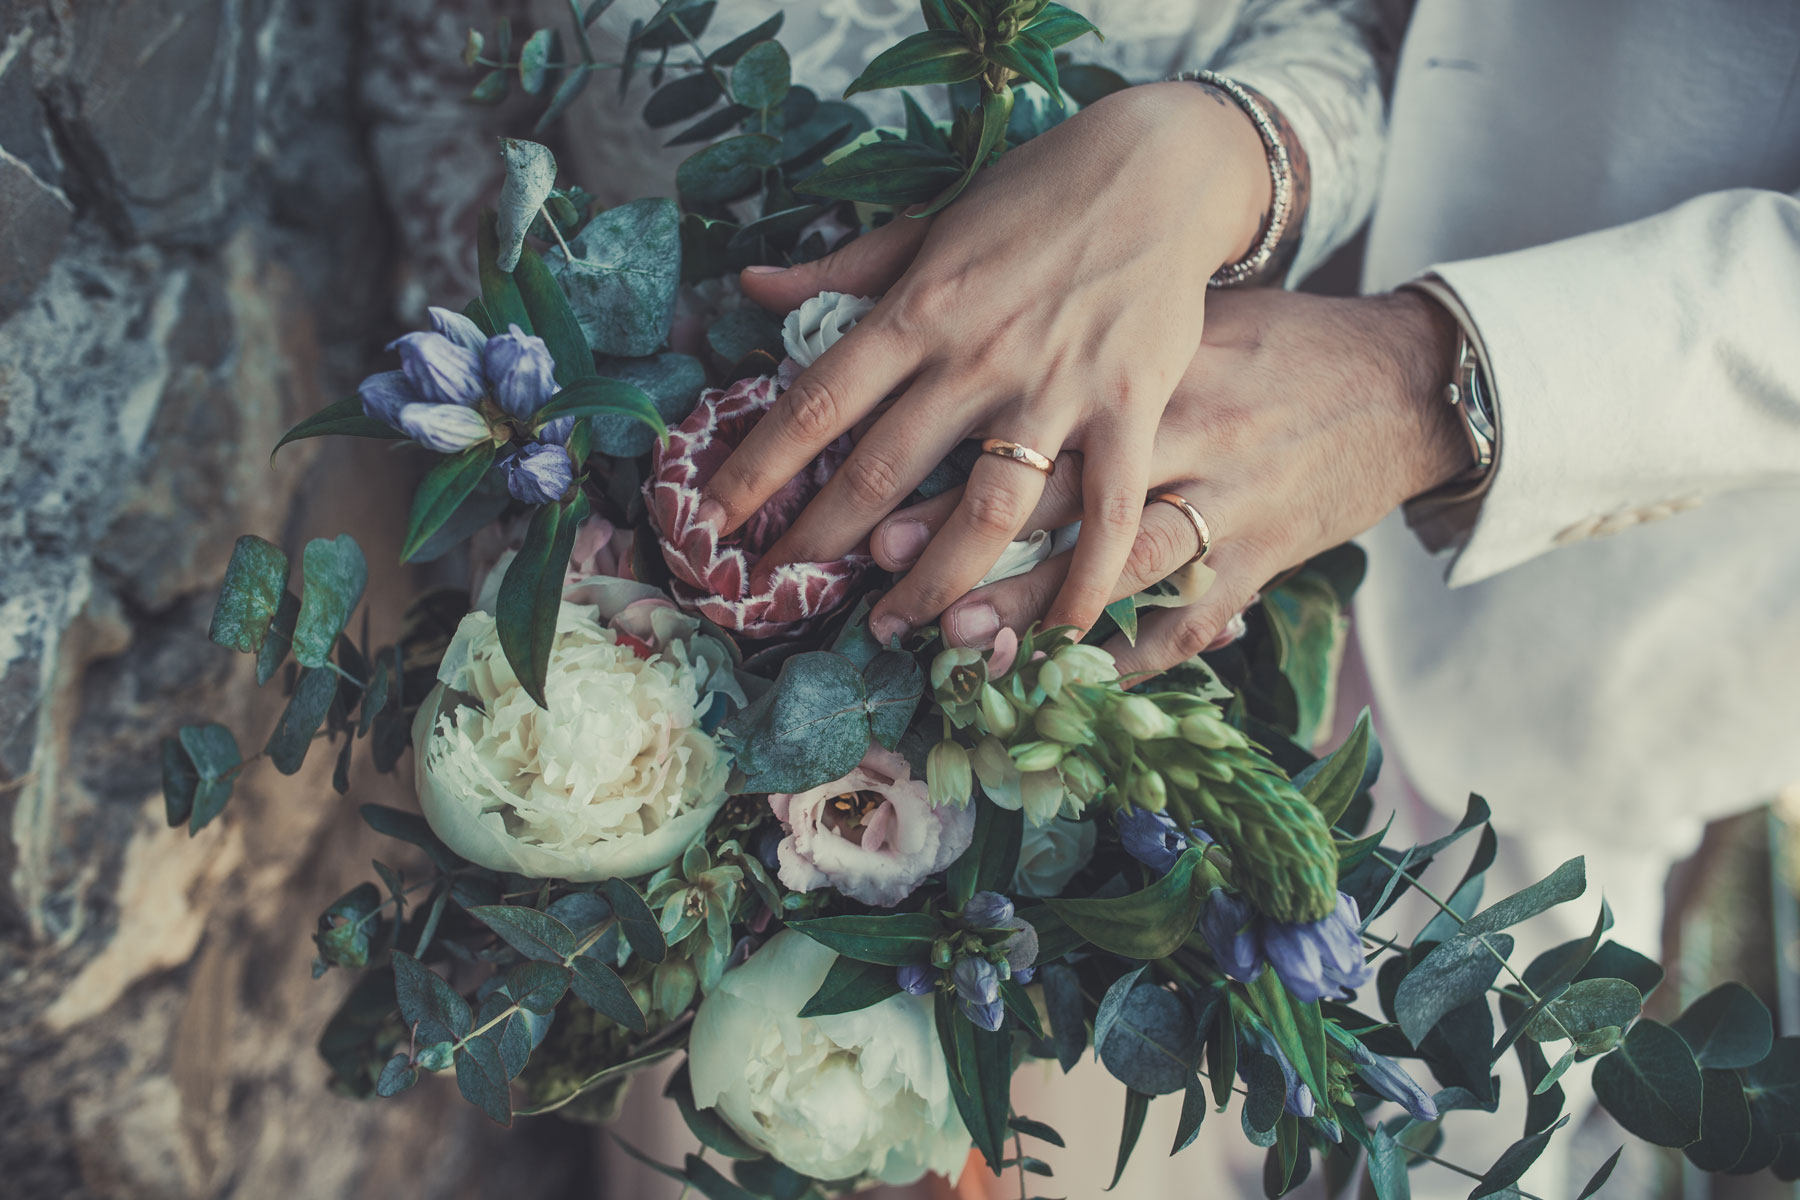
<point>898,541</point>
<point>1168,637</point>
<point>868,266</point>
<point>890,459</point>
<point>824,403</point>
<point>1163,545</point>
<point>998,500</point>
<point>1112,506</point>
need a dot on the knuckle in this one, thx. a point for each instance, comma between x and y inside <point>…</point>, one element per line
<point>1118,512</point>
<point>1194,633</point>
<point>871,478</point>
<point>1154,553</point>
<point>813,411</point>
<point>993,512</point>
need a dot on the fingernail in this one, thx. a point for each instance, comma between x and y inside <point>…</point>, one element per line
<point>903,541</point>
<point>764,270</point>
<point>712,513</point>
<point>886,627</point>
<point>975,625</point>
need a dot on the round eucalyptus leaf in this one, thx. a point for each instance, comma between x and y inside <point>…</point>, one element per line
<point>1151,1046</point>
<point>1724,1125</point>
<point>1651,1085</point>
<point>762,77</point>
<point>1727,1028</point>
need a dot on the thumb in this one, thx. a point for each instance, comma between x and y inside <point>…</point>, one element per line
<point>868,266</point>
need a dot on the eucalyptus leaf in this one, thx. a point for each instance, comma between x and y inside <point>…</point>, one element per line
<point>1068,1013</point>
<point>1600,1177</point>
<point>600,987</point>
<point>1453,974</point>
<point>482,1079</point>
<point>1565,883</point>
<point>622,279</point>
<point>1725,1130</point>
<point>534,59</point>
<point>811,727</point>
<point>213,751</point>
<point>536,935</point>
<point>293,734</point>
<point>762,76</point>
<point>1387,1167</point>
<point>333,574</point>
<point>1651,1085</point>
<point>681,98</point>
<point>1137,1105</point>
<point>726,170</point>
<point>742,332</point>
<point>1588,1005</point>
<point>733,50</point>
<point>1727,1028</point>
<point>1511,1166</point>
<point>636,921</point>
<point>428,1004</point>
<point>1152,1046</point>
<point>255,582</point>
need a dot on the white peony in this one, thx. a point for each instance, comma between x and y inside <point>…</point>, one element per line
<point>862,1095</point>
<point>819,323</point>
<point>615,778</point>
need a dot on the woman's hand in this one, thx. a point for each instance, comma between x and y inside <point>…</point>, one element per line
<point>1056,304</point>
<point>1301,423</point>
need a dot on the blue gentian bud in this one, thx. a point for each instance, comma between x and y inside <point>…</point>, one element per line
<point>557,432</point>
<point>1299,1099</point>
<point>916,979</point>
<point>976,980</point>
<point>520,371</point>
<point>458,329</point>
<point>1228,924</point>
<point>446,428</point>
<point>987,910</point>
<point>1151,838</point>
<point>1319,960</point>
<point>441,371</point>
<point>539,474</point>
<point>1387,1078</point>
<point>385,394</point>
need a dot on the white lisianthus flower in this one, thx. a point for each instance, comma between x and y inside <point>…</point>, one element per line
<point>615,778</point>
<point>1049,856</point>
<point>855,1096</point>
<point>816,326</point>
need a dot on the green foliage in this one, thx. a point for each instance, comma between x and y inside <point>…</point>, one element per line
<point>1146,924</point>
<point>896,939</point>
<point>727,170</point>
<point>993,854</point>
<point>531,592</point>
<point>815,724</point>
<point>622,275</point>
<point>1728,1028</point>
<point>333,574</point>
<point>980,1069</point>
<point>886,172</point>
<point>1152,1043</point>
<point>300,720</point>
<point>255,582</point>
<point>934,56</point>
<point>1651,1085</point>
<point>199,764</point>
<point>673,383</point>
<point>851,986</point>
<point>1512,1165</point>
<point>552,318</point>
<point>762,76</point>
<point>346,418</point>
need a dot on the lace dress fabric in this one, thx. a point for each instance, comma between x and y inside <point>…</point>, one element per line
<point>1312,58</point>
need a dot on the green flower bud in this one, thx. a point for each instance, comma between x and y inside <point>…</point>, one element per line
<point>993,766</point>
<point>1142,717</point>
<point>1064,723</point>
<point>942,954</point>
<point>1082,778</point>
<point>1076,664</point>
<point>998,716</point>
<point>1213,767</point>
<point>1037,756</point>
<point>948,775</point>
<point>1182,776</point>
<point>1149,791</point>
<point>958,674</point>
<point>673,985</point>
<point>1209,730</point>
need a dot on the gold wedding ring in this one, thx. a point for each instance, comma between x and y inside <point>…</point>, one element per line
<point>1201,530</point>
<point>1001,448</point>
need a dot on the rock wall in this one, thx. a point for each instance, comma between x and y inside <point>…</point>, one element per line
<point>212,214</point>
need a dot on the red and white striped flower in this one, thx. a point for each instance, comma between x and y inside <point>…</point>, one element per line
<point>713,576</point>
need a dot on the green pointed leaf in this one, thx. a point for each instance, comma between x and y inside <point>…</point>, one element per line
<point>255,581</point>
<point>733,50</point>
<point>600,987</point>
<point>993,854</point>
<point>1033,59</point>
<point>892,173</point>
<point>215,758</point>
<point>705,1123</point>
<point>1147,924</point>
<point>1058,26</point>
<point>851,986</point>
<point>553,319</point>
<point>1068,1014</point>
<point>1454,973</point>
<point>1652,1086</point>
<point>179,782</point>
<point>709,1183</point>
<point>482,1079</point>
<point>602,397</point>
<point>429,1004</point>
<point>636,921</point>
<point>1600,1177</point>
<point>1565,883</point>
<point>442,492</point>
<point>292,736</point>
<point>893,940</point>
<point>347,418</point>
<point>681,98</point>
<point>499,290</point>
<point>398,1075</point>
<point>996,112</point>
<point>672,381</point>
<point>1193,1114</point>
<point>1334,781</point>
<point>1511,1166</point>
<point>1137,1104</point>
<point>980,1069</point>
<point>531,592</point>
<point>333,574</point>
<point>762,77</point>
<point>1727,1028</point>
<point>1387,1167</point>
<point>536,935</point>
<point>1035,1129</point>
<point>934,56</point>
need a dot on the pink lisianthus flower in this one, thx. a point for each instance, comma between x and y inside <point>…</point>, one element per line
<point>874,835</point>
<point>713,577</point>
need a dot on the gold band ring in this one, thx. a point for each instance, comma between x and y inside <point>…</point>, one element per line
<point>1001,448</point>
<point>1201,529</point>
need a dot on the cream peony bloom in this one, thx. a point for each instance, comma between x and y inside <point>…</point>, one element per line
<point>616,778</point>
<point>862,1095</point>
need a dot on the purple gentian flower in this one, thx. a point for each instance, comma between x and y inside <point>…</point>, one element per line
<point>1386,1077</point>
<point>441,371</point>
<point>1229,926</point>
<point>988,910</point>
<point>1151,838</point>
<point>452,368</point>
<point>991,910</point>
<point>539,473</point>
<point>916,979</point>
<point>978,992</point>
<point>1319,960</point>
<point>446,428</point>
<point>520,371</point>
<point>1299,1100</point>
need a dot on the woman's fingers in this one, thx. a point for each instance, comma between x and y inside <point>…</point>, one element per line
<point>1170,636</point>
<point>898,541</point>
<point>1115,474</point>
<point>868,266</point>
<point>891,457</point>
<point>825,402</point>
<point>999,498</point>
<point>1163,544</point>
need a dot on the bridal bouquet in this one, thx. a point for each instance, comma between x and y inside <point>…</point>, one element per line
<point>669,808</point>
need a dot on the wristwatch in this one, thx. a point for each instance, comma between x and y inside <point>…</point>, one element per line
<point>1470,394</point>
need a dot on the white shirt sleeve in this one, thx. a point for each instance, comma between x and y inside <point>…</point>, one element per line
<point>1638,370</point>
<point>1317,61</point>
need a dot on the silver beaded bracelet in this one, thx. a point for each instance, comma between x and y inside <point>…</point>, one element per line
<point>1281,176</point>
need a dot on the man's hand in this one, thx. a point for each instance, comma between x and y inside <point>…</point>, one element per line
<point>1301,422</point>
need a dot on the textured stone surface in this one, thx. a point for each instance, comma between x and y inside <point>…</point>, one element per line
<point>212,215</point>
